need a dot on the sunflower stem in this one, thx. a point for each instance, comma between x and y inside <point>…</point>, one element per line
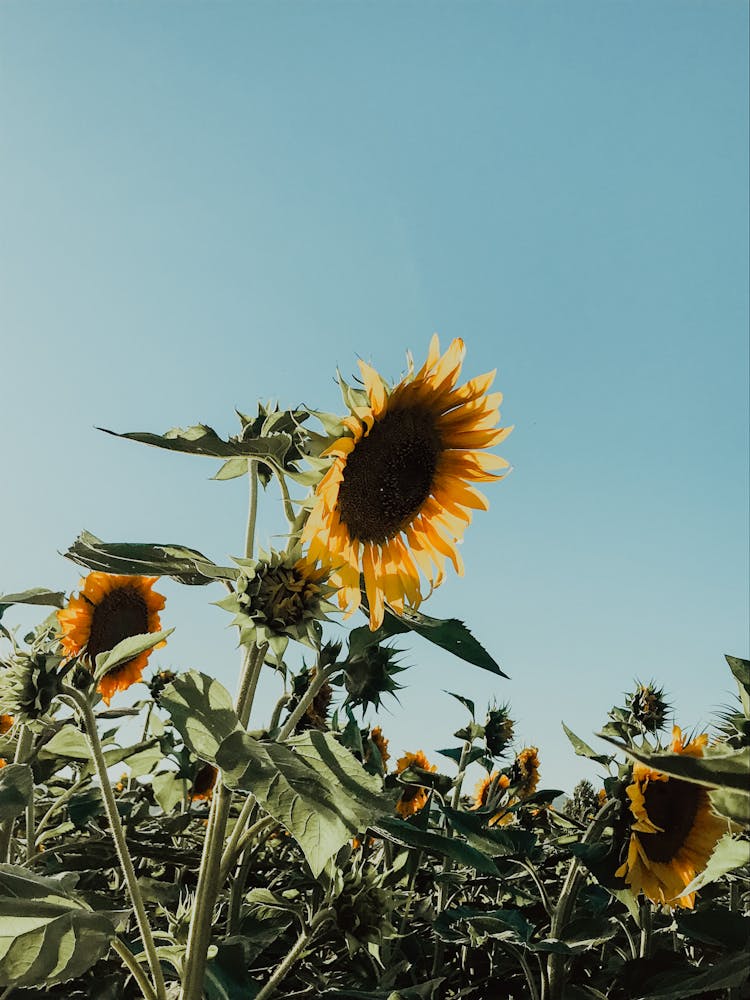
<point>286,499</point>
<point>81,703</point>
<point>135,968</point>
<point>306,700</point>
<point>23,748</point>
<point>209,875</point>
<point>646,921</point>
<point>305,938</point>
<point>566,901</point>
<point>252,509</point>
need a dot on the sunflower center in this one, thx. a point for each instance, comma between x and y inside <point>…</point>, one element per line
<point>673,806</point>
<point>120,613</point>
<point>389,475</point>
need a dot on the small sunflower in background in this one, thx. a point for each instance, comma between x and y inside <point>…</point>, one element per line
<point>673,833</point>
<point>486,788</point>
<point>108,609</point>
<point>414,797</point>
<point>6,724</point>
<point>204,783</point>
<point>376,735</point>
<point>525,772</point>
<point>399,494</point>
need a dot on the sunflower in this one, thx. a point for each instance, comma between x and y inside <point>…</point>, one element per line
<point>376,735</point>
<point>399,493</point>
<point>486,787</point>
<point>673,833</point>
<point>108,609</point>
<point>414,797</point>
<point>6,723</point>
<point>204,783</point>
<point>526,771</point>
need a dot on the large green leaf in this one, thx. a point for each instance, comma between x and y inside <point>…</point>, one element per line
<point>741,670</point>
<point>734,805</point>
<point>312,785</point>
<point>718,768</point>
<point>730,972</point>
<point>127,650</point>
<point>202,712</point>
<point>47,934</point>
<point>37,595</point>
<point>16,787</point>
<point>450,634</point>
<point>728,854</point>
<point>408,835</point>
<point>203,440</point>
<point>144,559</point>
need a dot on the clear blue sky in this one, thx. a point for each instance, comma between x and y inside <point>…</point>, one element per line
<point>208,204</point>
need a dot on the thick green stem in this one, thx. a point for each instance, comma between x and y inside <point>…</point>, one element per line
<point>81,703</point>
<point>234,851</point>
<point>209,875</point>
<point>58,804</point>
<point>295,951</point>
<point>521,959</point>
<point>23,748</point>
<point>306,700</point>
<point>252,510</point>
<point>135,968</point>
<point>646,916</point>
<point>566,901</point>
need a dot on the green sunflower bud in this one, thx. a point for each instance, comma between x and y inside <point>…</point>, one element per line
<point>370,674</point>
<point>29,683</point>
<point>279,597</point>
<point>648,707</point>
<point>159,681</point>
<point>363,910</point>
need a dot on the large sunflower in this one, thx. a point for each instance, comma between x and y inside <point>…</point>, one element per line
<point>399,494</point>
<point>108,609</point>
<point>674,831</point>
<point>492,785</point>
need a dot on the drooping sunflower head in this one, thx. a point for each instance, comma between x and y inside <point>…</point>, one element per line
<point>279,597</point>
<point>648,707</point>
<point>414,797</point>
<point>525,772</point>
<point>381,744</point>
<point>108,609</point>
<point>204,783</point>
<point>400,490</point>
<point>488,792</point>
<point>498,730</point>
<point>673,830</point>
<point>29,683</point>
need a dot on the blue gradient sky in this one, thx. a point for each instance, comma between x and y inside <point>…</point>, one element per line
<point>208,204</point>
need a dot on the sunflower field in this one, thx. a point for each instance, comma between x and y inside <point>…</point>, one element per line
<point>170,844</point>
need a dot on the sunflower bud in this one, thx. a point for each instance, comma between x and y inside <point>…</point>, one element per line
<point>363,910</point>
<point>28,685</point>
<point>159,681</point>
<point>498,730</point>
<point>279,597</point>
<point>370,674</point>
<point>648,707</point>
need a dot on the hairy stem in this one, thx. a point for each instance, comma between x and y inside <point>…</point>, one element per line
<point>252,507</point>
<point>135,968</point>
<point>295,951</point>
<point>306,700</point>
<point>81,703</point>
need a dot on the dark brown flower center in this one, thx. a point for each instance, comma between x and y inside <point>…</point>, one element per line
<point>389,475</point>
<point>120,614</point>
<point>671,805</point>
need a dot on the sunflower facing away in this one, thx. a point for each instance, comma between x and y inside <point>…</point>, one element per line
<point>674,831</point>
<point>526,771</point>
<point>108,609</point>
<point>489,786</point>
<point>400,492</point>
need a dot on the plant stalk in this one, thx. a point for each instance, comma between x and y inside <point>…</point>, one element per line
<point>23,748</point>
<point>81,702</point>
<point>295,951</point>
<point>306,700</point>
<point>135,968</point>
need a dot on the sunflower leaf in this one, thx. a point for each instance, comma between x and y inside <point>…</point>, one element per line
<point>47,934</point>
<point>584,750</point>
<point>727,855</point>
<point>733,805</point>
<point>716,769</point>
<point>675,985</point>
<point>313,786</point>
<point>202,712</point>
<point>408,835</point>
<point>145,559</point>
<point>449,633</point>
<point>203,440</point>
<point>37,595</point>
<point>741,670</point>
<point>16,788</point>
<point>128,649</point>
